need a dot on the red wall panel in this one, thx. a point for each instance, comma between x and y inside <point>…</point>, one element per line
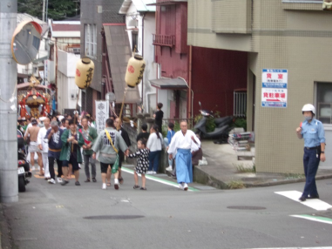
<point>215,75</point>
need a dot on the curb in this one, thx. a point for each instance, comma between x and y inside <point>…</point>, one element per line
<point>202,177</point>
<point>281,182</point>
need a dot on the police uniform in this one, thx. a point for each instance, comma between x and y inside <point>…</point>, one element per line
<point>313,135</point>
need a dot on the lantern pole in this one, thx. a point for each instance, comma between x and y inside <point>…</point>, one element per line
<point>123,100</point>
<point>8,106</point>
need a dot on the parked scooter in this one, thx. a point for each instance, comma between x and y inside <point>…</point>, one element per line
<point>222,126</point>
<point>23,166</point>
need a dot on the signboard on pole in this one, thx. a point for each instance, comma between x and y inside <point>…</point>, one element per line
<point>102,114</point>
<point>274,88</point>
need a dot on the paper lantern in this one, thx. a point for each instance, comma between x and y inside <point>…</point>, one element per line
<point>135,70</point>
<point>84,73</point>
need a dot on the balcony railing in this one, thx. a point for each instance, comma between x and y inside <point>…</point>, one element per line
<point>164,40</point>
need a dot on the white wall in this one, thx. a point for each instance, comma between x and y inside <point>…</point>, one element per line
<point>146,27</point>
<point>67,89</point>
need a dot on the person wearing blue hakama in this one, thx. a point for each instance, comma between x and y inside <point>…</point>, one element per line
<point>181,145</point>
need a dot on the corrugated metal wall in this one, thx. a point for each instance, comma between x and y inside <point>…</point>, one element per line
<point>215,75</point>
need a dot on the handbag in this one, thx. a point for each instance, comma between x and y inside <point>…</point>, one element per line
<point>115,166</point>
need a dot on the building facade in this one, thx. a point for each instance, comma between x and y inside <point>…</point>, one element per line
<point>93,15</point>
<point>64,53</point>
<point>289,40</point>
<point>140,26</point>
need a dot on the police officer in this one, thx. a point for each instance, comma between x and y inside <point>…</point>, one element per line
<point>312,131</point>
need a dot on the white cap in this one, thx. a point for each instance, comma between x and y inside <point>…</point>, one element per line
<point>309,108</point>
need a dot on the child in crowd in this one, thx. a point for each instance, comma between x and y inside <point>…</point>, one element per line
<point>167,140</point>
<point>142,162</point>
<point>144,133</point>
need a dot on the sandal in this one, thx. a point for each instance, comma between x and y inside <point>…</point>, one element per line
<point>143,188</point>
<point>108,184</point>
<point>136,187</point>
<point>120,180</point>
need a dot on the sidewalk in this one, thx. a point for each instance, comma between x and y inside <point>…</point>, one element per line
<point>222,170</point>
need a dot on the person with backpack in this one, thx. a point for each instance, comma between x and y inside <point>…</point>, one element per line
<point>108,144</point>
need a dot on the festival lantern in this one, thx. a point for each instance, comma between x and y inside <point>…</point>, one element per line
<point>84,73</point>
<point>135,70</point>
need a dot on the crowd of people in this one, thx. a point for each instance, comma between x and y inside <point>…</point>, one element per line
<point>73,142</point>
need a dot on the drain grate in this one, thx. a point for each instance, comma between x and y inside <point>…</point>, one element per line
<point>246,207</point>
<point>114,217</point>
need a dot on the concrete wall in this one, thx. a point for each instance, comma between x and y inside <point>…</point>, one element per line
<point>203,18</point>
<point>294,36</point>
<point>299,41</point>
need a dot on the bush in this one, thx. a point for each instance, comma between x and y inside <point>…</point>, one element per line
<point>240,123</point>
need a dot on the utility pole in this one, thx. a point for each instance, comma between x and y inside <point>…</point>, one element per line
<point>8,113</point>
<point>43,11</point>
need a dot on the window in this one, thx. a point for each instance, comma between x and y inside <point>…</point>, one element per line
<point>324,102</point>
<point>90,40</point>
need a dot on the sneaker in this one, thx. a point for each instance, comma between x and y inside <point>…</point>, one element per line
<point>149,172</point>
<point>77,183</point>
<point>94,180</point>
<point>64,182</point>
<point>33,168</point>
<point>180,186</point>
<point>116,184</point>
<point>87,180</point>
<point>136,187</point>
<point>79,165</point>
<point>154,172</point>
<point>121,180</point>
<point>185,187</point>
<point>51,181</point>
<point>59,179</point>
<point>169,168</point>
<point>143,188</point>
<point>104,186</point>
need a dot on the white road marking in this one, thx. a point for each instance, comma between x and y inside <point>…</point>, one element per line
<point>326,221</point>
<point>156,179</point>
<point>316,204</point>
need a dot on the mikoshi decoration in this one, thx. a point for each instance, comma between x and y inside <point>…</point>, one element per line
<point>84,73</point>
<point>135,70</point>
<point>134,75</point>
<point>36,98</point>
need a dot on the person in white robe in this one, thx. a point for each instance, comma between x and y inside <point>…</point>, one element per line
<point>181,146</point>
<point>43,145</point>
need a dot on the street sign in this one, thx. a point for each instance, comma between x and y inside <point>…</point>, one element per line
<point>274,88</point>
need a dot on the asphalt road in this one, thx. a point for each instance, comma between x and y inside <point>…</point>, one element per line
<point>54,216</point>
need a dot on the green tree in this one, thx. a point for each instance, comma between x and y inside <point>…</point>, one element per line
<point>57,9</point>
<point>31,7</point>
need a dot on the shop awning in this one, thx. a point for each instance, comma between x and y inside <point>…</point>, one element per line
<point>119,52</point>
<point>167,83</point>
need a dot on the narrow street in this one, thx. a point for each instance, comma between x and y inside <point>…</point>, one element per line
<point>55,216</point>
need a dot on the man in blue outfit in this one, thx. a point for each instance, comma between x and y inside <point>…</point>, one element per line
<point>312,131</point>
<point>181,146</point>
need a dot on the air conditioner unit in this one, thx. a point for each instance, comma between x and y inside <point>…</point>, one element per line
<point>133,22</point>
<point>76,50</point>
